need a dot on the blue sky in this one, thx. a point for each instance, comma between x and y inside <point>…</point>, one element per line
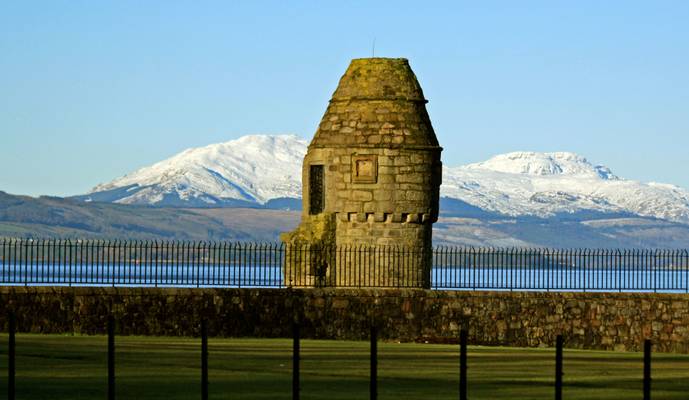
<point>92,90</point>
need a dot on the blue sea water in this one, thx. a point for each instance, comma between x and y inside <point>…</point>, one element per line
<point>271,276</point>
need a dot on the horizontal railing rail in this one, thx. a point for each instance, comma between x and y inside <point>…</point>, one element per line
<point>239,264</point>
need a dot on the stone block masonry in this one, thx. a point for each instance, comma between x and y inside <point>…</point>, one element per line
<point>605,321</point>
<point>374,166</point>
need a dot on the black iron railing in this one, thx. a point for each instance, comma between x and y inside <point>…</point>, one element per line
<point>296,363</point>
<point>225,264</point>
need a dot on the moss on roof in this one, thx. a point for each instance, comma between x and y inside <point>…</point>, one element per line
<point>378,103</point>
<point>379,78</point>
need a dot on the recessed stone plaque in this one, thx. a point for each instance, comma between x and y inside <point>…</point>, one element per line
<point>364,169</point>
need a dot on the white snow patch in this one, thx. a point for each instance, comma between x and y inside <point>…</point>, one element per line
<point>258,168</point>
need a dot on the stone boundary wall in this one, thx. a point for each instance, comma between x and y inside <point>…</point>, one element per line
<point>607,321</point>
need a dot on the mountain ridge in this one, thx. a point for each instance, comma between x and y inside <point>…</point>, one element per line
<point>255,170</point>
<point>251,169</point>
<point>459,224</point>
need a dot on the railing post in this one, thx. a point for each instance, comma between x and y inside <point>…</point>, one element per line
<point>463,365</point>
<point>111,357</point>
<point>685,258</point>
<point>295,361</point>
<point>558,367</point>
<point>374,363</point>
<point>204,359</point>
<point>11,355</point>
<point>647,369</point>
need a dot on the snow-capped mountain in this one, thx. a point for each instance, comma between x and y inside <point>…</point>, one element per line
<point>250,170</point>
<point>253,170</point>
<point>546,184</point>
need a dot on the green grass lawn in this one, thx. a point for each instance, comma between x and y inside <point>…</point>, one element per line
<point>74,367</point>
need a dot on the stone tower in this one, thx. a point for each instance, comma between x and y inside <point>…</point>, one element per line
<point>371,180</point>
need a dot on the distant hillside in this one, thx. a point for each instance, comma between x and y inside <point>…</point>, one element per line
<point>460,224</point>
<point>464,224</point>
<point>22,216</point>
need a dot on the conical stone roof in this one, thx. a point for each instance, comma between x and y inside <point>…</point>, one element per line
<point>378,103</point>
